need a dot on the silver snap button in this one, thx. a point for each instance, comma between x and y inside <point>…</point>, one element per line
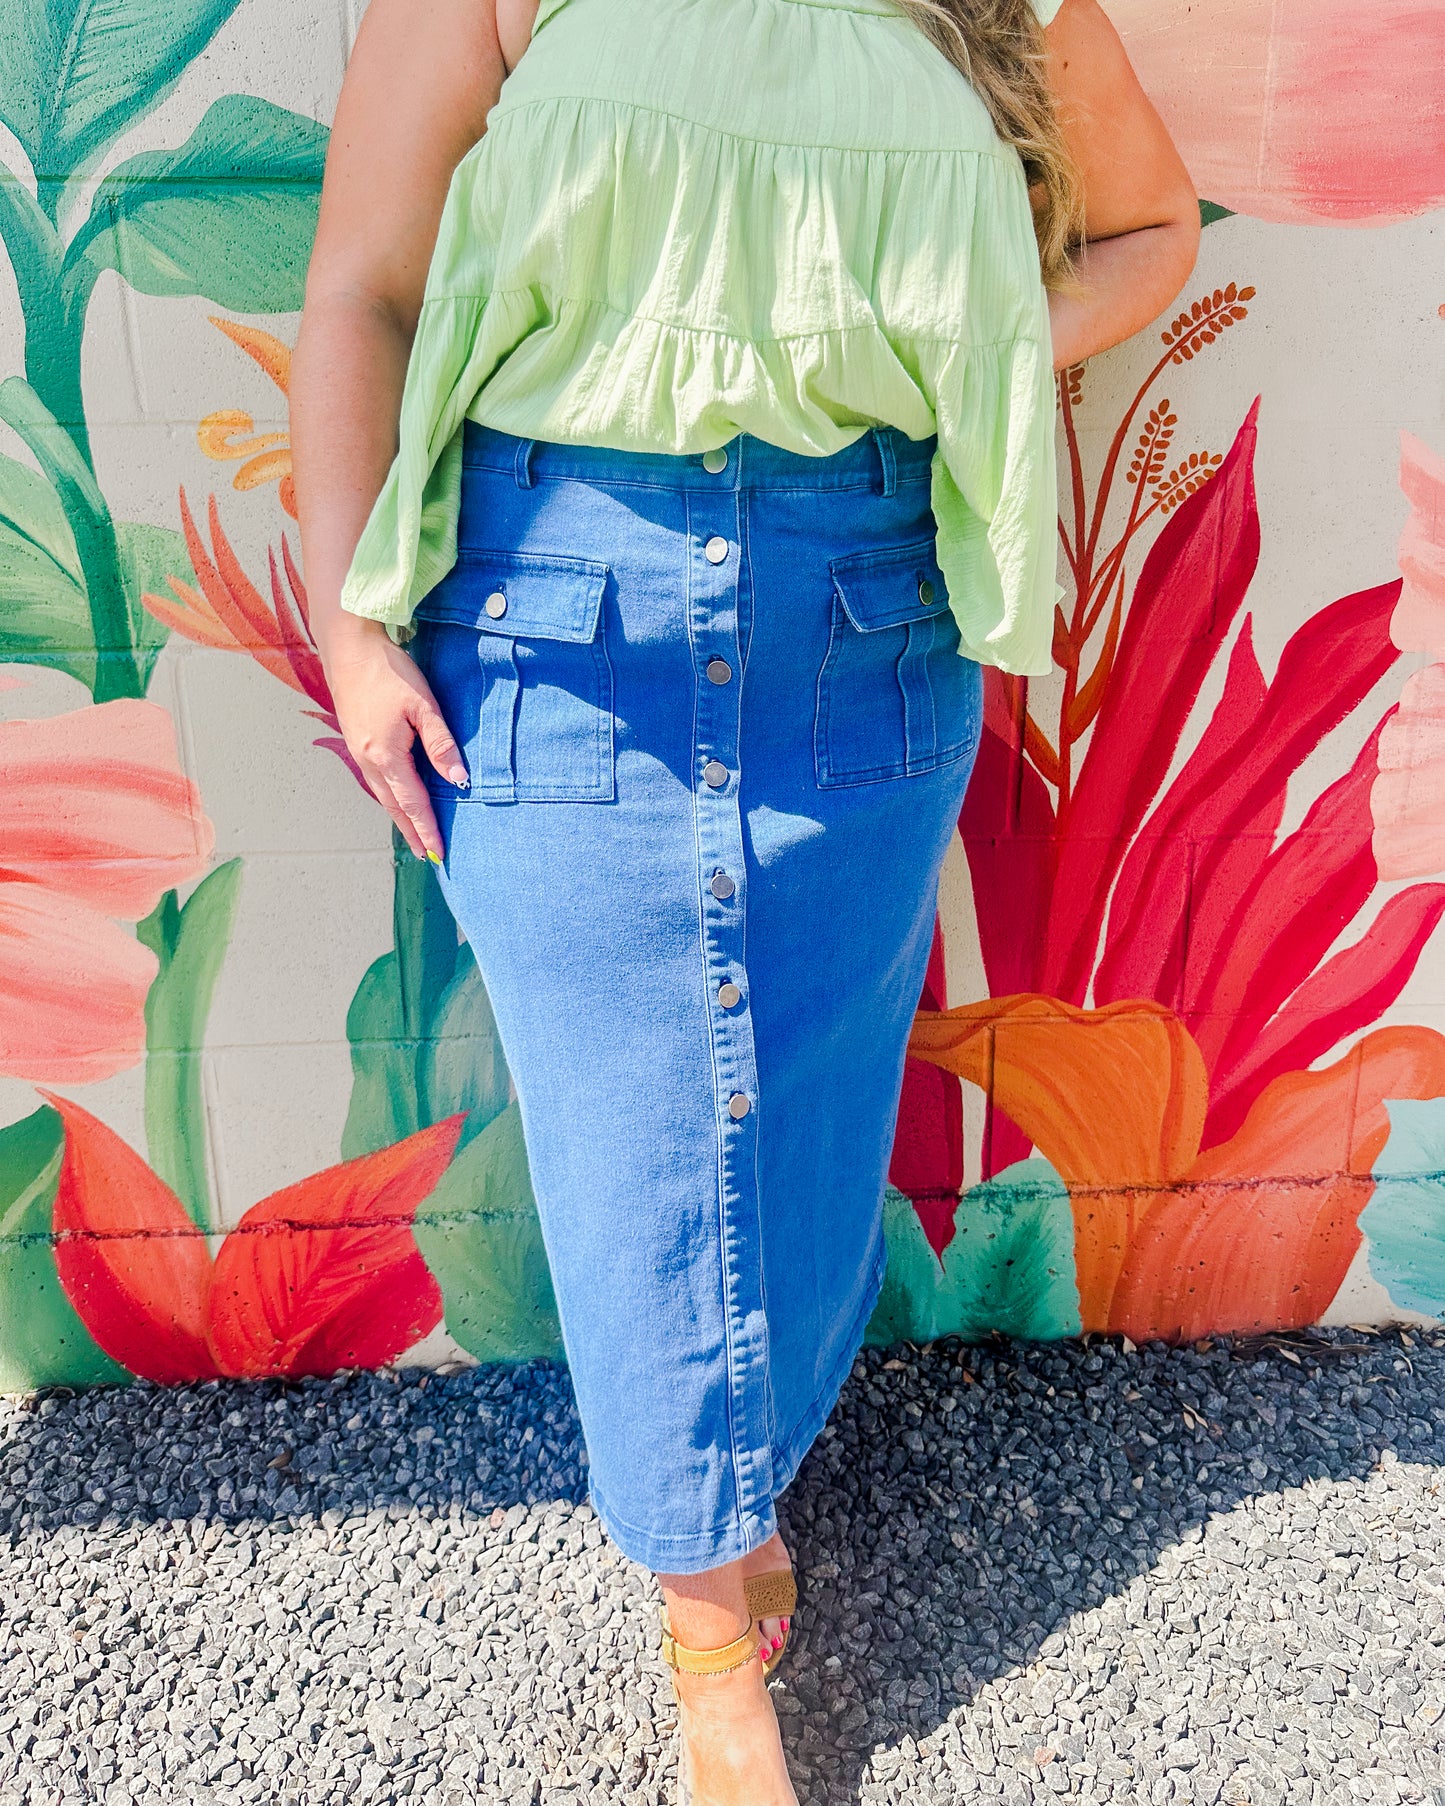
<point>722,886</point>
<point>716,549</point>
<point>496,605</point>
<point>728,994</point>
<point>925,592</point>
<point>719,671</point>
<point>738,1105</point>
<point>714,462</point>
<point>715,773</point>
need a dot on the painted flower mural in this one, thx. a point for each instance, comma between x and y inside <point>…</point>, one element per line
<point>1177,1089</point>
<point>1215,1180</point>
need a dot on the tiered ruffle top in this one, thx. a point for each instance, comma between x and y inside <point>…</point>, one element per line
<point>693,218</point>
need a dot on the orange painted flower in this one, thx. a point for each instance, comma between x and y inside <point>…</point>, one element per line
<point>1299,110</point>
<point>1171,1241</point>
<point>322,1275</point>
<point>97,821</point>
<point>264,457</point>
<point>229,613</point>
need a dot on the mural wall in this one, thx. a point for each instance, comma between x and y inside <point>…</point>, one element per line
<point>1180,1061</point>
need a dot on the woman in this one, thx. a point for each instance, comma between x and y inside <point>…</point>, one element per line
<point>670,461</point>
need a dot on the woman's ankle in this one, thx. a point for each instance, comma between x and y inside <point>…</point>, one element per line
<point>706,1610</point>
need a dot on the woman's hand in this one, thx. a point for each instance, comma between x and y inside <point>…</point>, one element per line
<point>385,705</point>
<point>1141,214</point>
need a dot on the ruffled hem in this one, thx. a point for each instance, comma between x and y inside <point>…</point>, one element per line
<point>799,294</point>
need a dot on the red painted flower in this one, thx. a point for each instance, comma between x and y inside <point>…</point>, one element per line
<point>322,1275</point>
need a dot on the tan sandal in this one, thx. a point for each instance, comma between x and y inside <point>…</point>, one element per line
<point>680,1658</point>
<point>772,1595</point>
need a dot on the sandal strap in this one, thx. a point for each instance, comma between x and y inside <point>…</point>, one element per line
<point>709,1661</point>
<point>772,1595</point>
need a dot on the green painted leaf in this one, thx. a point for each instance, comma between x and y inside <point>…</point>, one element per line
<point>74,74</point>
<point>1404,1221</point>
<point>1009,1267</point>
<point>424,1044</point>
<point>31,510</point>
<point>480,1235</point>
<point>230,215</point>
<point>44,609</point>
<point>42,1341</point>
<point>148,555</point>
<point>94,532</point>
<point>44,614</point>
<point>1210,211</point>
<point>190,944</point>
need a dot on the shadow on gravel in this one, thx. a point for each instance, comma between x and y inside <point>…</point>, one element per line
<point>963,1503</point>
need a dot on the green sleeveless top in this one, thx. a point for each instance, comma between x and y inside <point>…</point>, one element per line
<point>693,218</point>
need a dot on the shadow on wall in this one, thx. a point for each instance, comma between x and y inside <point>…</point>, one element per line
<point>964,1503</point>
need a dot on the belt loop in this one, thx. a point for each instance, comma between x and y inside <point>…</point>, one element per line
<point>524,463</point>
<point>887,458</point>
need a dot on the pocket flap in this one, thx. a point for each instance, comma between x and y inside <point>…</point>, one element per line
<point>889,587</point>
<point>528,595</point>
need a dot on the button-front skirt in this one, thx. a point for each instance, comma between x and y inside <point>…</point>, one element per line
<point>718,731</point>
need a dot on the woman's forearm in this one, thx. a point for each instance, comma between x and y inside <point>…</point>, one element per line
<point>346,381</point>
<point>1125,282</point>
<point>421,79</point>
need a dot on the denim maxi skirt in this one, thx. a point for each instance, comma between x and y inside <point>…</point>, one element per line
<point>718,731</point>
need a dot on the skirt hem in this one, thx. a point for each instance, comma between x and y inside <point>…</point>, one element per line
<point>749,1530</point>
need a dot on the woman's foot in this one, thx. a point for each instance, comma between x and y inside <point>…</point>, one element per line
<point>772,1554</point>
<point>732,1754</point>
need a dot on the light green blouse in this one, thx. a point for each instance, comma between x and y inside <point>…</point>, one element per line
<point>693,218</point>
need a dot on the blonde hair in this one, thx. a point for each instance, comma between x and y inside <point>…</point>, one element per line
<point>998,46</point>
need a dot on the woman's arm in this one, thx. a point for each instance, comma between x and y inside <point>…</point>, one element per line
<point>422,77</point>
<point>1141,224</point>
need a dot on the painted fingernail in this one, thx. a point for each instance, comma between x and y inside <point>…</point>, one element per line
<point>435,858</point>
<point>458,776</point>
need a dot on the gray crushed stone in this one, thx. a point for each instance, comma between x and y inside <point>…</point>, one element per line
<point>1031,1573</point>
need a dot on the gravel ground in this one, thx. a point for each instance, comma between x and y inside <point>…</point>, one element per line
<point>1031,1573</point>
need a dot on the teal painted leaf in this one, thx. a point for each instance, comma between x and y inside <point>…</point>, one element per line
<point>424,1044</point>
<point>480,1235</point>
<point>1404,1221</point>
<point>1009,1267</point>
<point>42,1341</point>
<point>230,215</point>
<point>190,942</point>
<point>74,74</point>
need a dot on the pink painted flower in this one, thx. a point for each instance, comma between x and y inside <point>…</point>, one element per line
<point>1299,110</point>
<point>97,820</point>
<point>1407,799</point>
<point>1418,623</point>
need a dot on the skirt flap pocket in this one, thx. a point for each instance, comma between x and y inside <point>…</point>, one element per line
<point>527,595</point>
<point>890,587</point>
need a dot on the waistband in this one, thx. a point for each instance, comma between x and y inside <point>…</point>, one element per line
<point>879,459</point>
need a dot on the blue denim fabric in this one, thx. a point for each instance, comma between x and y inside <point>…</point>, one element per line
<point>719,731</point>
